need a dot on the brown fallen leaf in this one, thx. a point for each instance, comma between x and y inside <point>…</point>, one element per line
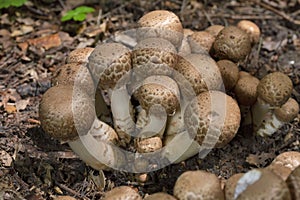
<point>5,159</point>
<point>46,42</point>
<point>10,108</point>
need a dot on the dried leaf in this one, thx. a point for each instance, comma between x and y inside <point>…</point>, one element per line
<point>5,159</point>
<point>99,179</point>
<point>22,104</point>
<point>10,108</point>
<point>47,42</point>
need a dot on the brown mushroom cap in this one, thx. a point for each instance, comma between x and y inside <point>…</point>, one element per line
<point>160,24</point>
<point>214,29</point>
<point>261,184</point>
<point>246,89</point>
<point>56,112</point>
<point>229,72</point>
<point>198,185</point>
<point>251,28</point>
<point>231,43</point>
<point>201,41</point>
<point>230,185</point>
<point>288,111</point>
<point>160,196</point>
<point>293,182</point>
<point>122,193</point>
<point>285,163</point>
<point>108,63</point>
<point>80,55</point>
<point>275,88</point>
<point>223,117</point>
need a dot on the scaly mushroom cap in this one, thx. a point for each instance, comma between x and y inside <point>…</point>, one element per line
<point>285,163</point>
<point>198,185</point>
<point>293,182</point>
<point>80,55</point>
<point>201,41</point>
<point>288,111</point>
<point>261,184</point>
<point>230,185</point>
<point>56,112</point>
<point>122,193</point>
<point>160,24</point>
<point>246,89</point>
<point>229,72</point>
<point>223,117</point>
<point>160,196</point>
<point>275,88</point>
<point>214,29</point>
<point>251,28</point>
<point>201,71</point>
<point>232,43</point>
<point>160,90</point>
<point>153,56</point>
<point>108,63</point>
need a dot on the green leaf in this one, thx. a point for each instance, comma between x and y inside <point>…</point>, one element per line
<point>79,17</point>
<point>84,9</point>
<point>77,14</point>
<point>8,3</point>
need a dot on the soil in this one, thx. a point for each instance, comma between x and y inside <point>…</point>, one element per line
<point>34,43</point>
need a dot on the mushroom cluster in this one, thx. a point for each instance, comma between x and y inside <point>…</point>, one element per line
<point>166,95</point>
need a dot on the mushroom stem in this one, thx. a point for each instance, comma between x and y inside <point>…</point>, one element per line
<point>259,112</point>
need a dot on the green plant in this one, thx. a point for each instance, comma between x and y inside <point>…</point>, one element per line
<point>8,3</point>
<point>77,14</point>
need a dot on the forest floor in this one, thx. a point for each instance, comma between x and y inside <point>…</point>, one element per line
<point>34,43</point>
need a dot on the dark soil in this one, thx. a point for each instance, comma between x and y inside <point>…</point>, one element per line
<point>35,166</point>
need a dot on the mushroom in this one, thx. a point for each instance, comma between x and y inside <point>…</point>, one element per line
<point>214,30</point>
<point>122,193</point>
<point>159,196</point>
<point>67,114</point>
<point>201,41</point>
<point>198,185</point>
<point>230,186</point>
<point>185,48</point>
<point>285,163</point>
<point>286,113</point>
<point>273,91</point>
<point>251,28</point>
<point>293,182</point>
<point>160,24</point>
<point>231,43</point>
<point>146,145</point>
<point>229,72</point>
<point>213,118</point>
<point>261,184</point>
<point>80,55</point>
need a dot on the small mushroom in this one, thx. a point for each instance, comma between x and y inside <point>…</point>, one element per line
<point>185,48</point>
<point>229,72</point>
<point>160,196</point>
<point>286,113</point>
<point>230,186</point>
<point>251,28</point>
<point>80,55</point>
<point>285,163</point>
<point>293,182</point>
<point>231,43</point>
<point>273,91</point>
<point>160,24</point>
<point>122,193</point>
<point>201,41</point>
<point>198,184</point>
<point>214,30</point>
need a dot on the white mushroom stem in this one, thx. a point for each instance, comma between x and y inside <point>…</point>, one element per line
<point>259,112</point>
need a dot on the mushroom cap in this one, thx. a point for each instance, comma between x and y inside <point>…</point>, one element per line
<point>288,111</point>
<point>275,88</point>
<point>261,184</point>
<point>285,163</point>
<point>160,196</point>
<point>80,55</point>
<point>232,43</point>
<point>160,90</point>
<point>214,29</point>
<point>251,28</point>
<point>153,56</point>
<point>198,185</point>
<point>56,112</point>
<point>201,41</point>
<point>108,63</point>
<point>122,193</point>
<point>146,145</point>
<point>201,71</point>
<point>230,185</point>
<point>214,113</point>
<point>246,89</point>
<point>160,24</point>
<point>229,72</point>
<point>293,182</point>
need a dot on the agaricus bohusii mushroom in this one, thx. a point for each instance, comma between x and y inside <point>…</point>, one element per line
<point>229,72</point>
<point>285,163</point>
<point>214,29</point>
<point>293,182</point>
<point>160,196</point>
<point>198,185</point>
<point>160,24</point>
<point>80,55</point>
<point>213,118</point>
<point>231,43</point>
<point>286,113</point>
<point>261,184</point>
<point>201,42</point>
<point>273,91</point>
<point>230,186</point>
<point>185,48</point>
<point>251,28</point>
<point>122,193</point>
